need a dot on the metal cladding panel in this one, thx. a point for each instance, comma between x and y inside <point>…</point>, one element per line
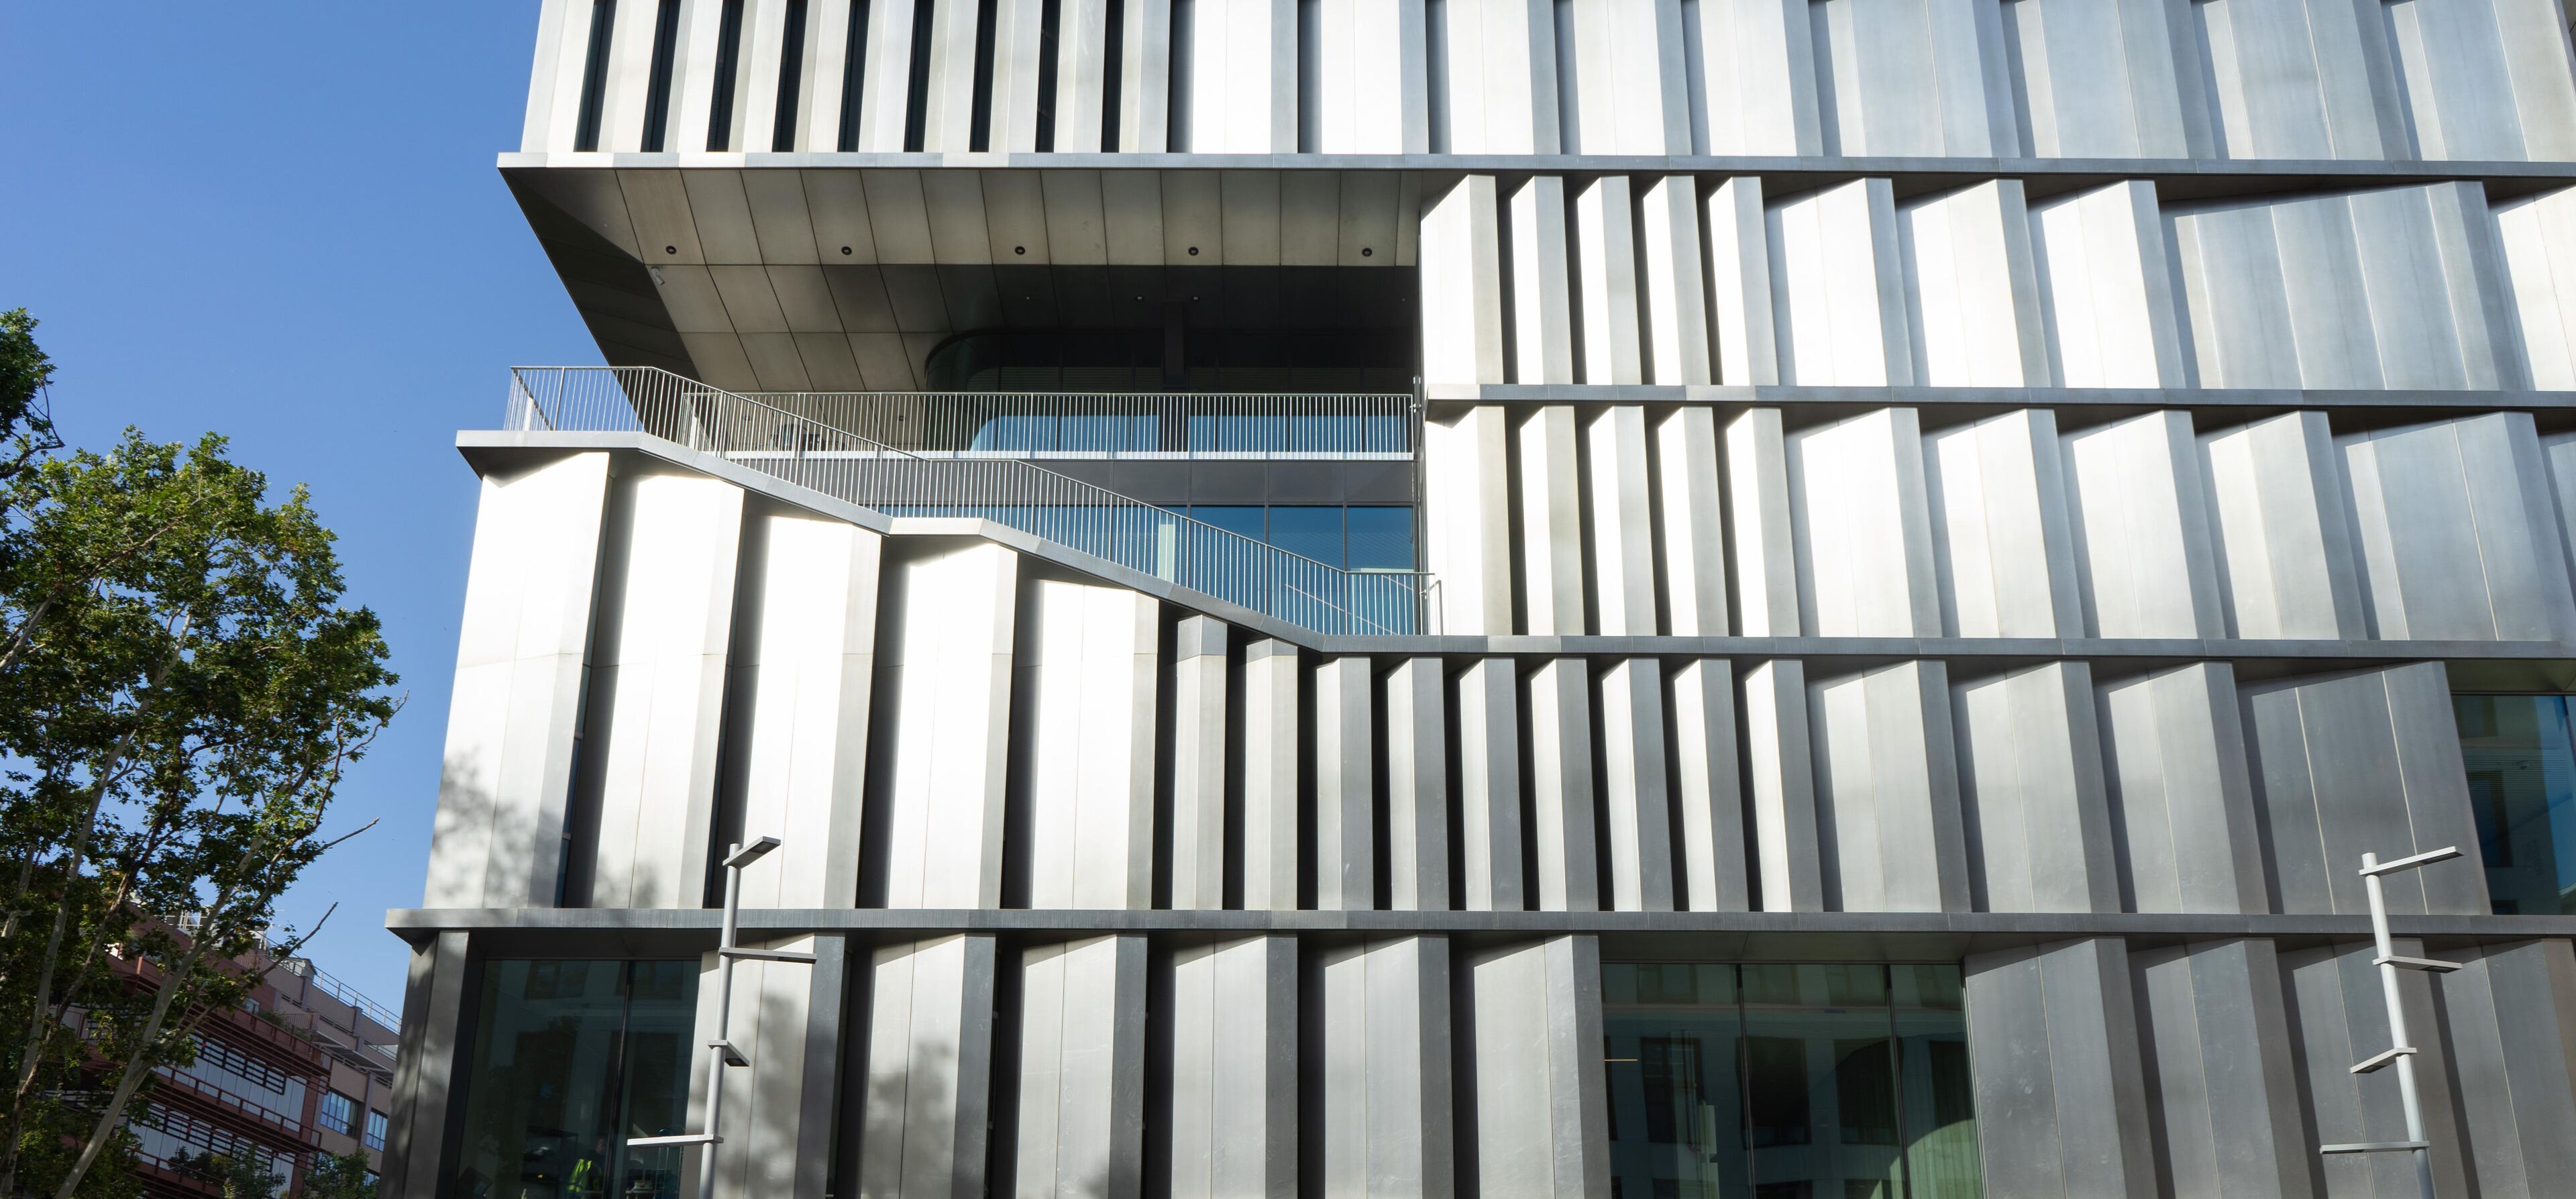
<point>1198,757</point>
<point>948,653</point>
<point>1562,828</point>
<point>1862,524</point>
<point>512,725</point>
<point>1708,792</point>
<point>1089,662</point>
<point>2338,1016</point>
<point>2509,1030</point>
<point>1272,763</point>
<point>2038,831</point>
<point>1381,1011</point>
<point>2001,547</point>
<point>1551,522</point>
<point>2222,1093</point>
<point>1781,777</point>
<point>1534,1081</point>
<point>2139,529</point>
<point>1972,299</point>
<point>2285,558</point>
<point>2053,1037</point>
<point>1417,776</point>
<point>2455,532</point>
<point>787,1018</point>
<point>2181,796</point>
<point>1888,824</point>
<point>928,1097</point>
<point>1345,798</point>
<point>808,663</point>
<point>658,659</point>
<point>1490,829</point>
<point>1081,1069</point>
<point>2361,762</point>
<point>1636,794</point>
<point>1467,525</point>
<point>2107,298</point>
<point>1233,1069</point>
<point>1837,287</point>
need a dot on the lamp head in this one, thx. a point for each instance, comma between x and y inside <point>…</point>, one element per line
<point>744,855</point>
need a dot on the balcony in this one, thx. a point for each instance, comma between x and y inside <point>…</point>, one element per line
<point>1355,426</point>
<point>971,454</point>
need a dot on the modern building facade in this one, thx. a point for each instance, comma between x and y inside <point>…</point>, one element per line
<point>1520,598</point>
<point>305,1066</point>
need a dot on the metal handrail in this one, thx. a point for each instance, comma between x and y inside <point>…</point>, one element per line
<point>1085,424</point>
<point>1008,491</point>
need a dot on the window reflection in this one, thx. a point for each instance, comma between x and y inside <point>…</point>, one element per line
<point>1788,1082</point>
<point>2522,793</point>
<point>571,1059</point>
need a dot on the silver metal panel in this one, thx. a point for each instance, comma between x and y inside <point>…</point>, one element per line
<point>2052,1033</point>
<point>1251,217</point>
<point>1707,788</point>
<point>896,210</point>
<point>1011,207</point>
<point>1310,215</point>
<point>1076,232</point>
<point>961,226</point>
<point>1559,699</point>
<point>1234,1069</point>
<point>1888,825</point>
<point>929,1082</point>
<point>1082,1069</point>
<point>1198,763</point>
<point>2182,808</point>
<point>2038,829</point>
<point>1539,1131</point>
<point>1345,787</point>
<point>1780,773</point>
<point>1382,1009</point>
<point>665,231</point>
<point>649,755</point>
<point>950,633</point>
<point>1606,256</point>
<point>1693,528</point>
<point>1417,780</point>
<point>1467,519</point>
<point>1131,216</point>
<point>808,664</point>
<point>1489,788</point>
<point>1622,561</point>
<point>722,213</point>
<point>1636,796</point>
<point>1271,762</point>
<point>1551,524</point>
<point>751,305</point>
<point>1089,664</point>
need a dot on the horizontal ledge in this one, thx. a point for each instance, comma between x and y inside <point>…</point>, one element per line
<point>417,923</point>
<point>1785,395</point>
<point>2375,1147</point>
<point>2194,169</point>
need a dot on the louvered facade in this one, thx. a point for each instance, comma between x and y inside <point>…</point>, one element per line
<point>1739,598</point>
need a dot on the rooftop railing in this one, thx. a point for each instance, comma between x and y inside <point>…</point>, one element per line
<point>827,457</point>
<point>1077,424</point>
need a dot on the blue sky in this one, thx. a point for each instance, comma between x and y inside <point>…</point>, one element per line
<point>282,222</point>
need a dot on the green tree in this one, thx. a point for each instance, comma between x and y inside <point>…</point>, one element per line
<point>26,423</point>
<point>338,1176</point>
<point>181,690</point>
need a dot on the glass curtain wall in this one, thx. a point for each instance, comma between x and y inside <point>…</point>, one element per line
<point>571,1059</point>
<point>1788,1082</point>
<point>2522,791</point>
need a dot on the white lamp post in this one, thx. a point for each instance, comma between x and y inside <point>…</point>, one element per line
<point>721,1051</point>
<point>2401,1050</point>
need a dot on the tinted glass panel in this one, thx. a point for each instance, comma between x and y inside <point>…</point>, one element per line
<point>1839,1081</point>
<point>1381,538</point>
<point>1308,532</point>
<point>2522,794</point>
<point>571,1059</point>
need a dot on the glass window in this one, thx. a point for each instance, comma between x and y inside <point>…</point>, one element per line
<point>337,1110</point>
<point>2522,781</point>
<point>570,1060</point>
<point>375,1130</point>
<point>1381,538</point>
<point>1308,532</point>
<point>1840,1081</point>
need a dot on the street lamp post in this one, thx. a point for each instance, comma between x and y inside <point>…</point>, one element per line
<point>721,1052</point>
<point>2401,1050</point>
